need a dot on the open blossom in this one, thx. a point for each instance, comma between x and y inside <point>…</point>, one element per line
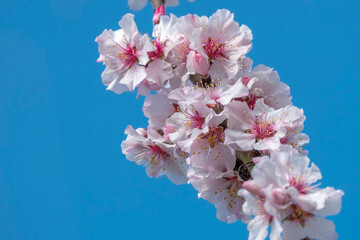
<point>158,108</point>
<point>124,53</point>
<point>265,83</point>
<point>181,56</point>
<point>189,117</point>
<point>261,128</point>
<point>223,41</point>
<point>158,70</point>
<point>221,184</point>
<point>222,92</point>
<point>148,148</point>
<point>284,190</point>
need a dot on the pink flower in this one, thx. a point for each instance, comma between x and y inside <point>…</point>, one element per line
<point>261,128</point>
<point>286,191</point>
<point>124,53</point>
<point>158,157</point>
<point>265,83</point>
<point>223,41</point>
<point>159,71</point>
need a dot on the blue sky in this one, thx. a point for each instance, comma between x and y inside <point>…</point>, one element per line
<point>62,173</point>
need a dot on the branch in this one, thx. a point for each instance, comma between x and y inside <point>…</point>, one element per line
<point>157,3</point>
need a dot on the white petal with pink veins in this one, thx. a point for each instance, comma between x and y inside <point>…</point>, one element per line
<point>235,91</point>
<point>128,24</point>
<point>158,72</point>
<point>133,77</point>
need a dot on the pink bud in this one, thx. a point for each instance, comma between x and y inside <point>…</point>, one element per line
<point>200,64</point>
<point>245,80</point>
<point>159,12</point>
<point>279,197</point>
<point>168,130</point>
<point>252,188</point>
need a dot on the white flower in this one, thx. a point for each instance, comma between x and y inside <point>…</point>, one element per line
<point>148,148</point>
<point>223,41</point>
<point>261,128</point>
<point>158,108</point>
<point>181,55</point>
<point>189,117</point>
<point>265,83</point>
<point>285,190</point>
<point>159,71</point>
<point>124,52</point>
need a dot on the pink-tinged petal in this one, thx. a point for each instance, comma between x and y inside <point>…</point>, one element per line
<point>223,69</point>
<point>157,108</point>
<point>268,144</point>
<point>144,89</point>
<point>133,77</point>
<point>320,228</point>
<point>276,230</point>
<point>242,140</point>
<point>176,171</point>
<point>293,231</point>
<point>158,72</point>
<point>143,46</point>
<point>221,160</point>
<point>265,83</point>
<point>332,202</point>
<point>258,228</point>
<point>235,91</point>
<point>314,228</point>
<point>239,116</point>
<point>116,87</point>
<point>128,24</point>
<point>110,78</point>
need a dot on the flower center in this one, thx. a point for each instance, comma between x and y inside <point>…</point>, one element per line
<point>298,215</point>
<point>194,121</point>
<point>182,51</point>
<point>228,191</point>
<point>156,153</point>
<point>159,52</point>
<point>128,56</point>
<point>263,129</point>
<point>299,184</point>
<point>214,48</point>
<point>252,98</point>
<point>214,136</point>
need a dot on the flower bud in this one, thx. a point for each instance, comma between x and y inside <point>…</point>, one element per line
<point>200,64</point>
<point>159,12</point>
<point>245,80</point>
<point>252,188</point>
<point>279,197</point>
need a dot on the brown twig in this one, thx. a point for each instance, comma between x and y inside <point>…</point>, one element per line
<point>157,3</point>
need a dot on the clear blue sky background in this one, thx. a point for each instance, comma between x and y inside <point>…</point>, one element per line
<point>62,173</point>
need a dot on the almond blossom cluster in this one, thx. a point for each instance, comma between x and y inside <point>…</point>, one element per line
<point>216,122</point>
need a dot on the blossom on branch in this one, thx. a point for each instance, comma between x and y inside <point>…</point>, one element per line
<point>229,130</point>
